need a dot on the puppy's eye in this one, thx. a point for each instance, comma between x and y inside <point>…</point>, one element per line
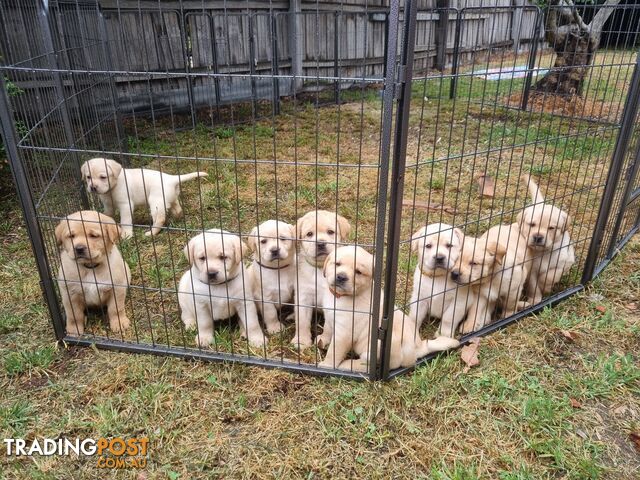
<point>88,177</point>
<point>103,177</point>
<point>337,264</point>
<point>222,257</point>
<point>428,245</point>
<point>551,228</point>
<point>72,236</point>
<point>94,235</point>
<point>448,245</point>
<point>474,264</point>
<point>330,232</point>
<point>532,224</point>
<point>358,272</point>
<point>309,234</point>
<point>202,258</point>
<point>263,241</point>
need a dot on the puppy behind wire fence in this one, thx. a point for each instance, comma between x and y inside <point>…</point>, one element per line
<point>268,181</point>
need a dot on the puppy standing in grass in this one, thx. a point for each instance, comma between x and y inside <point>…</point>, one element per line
<point>92,271</point>
<point>272,274</point>
<point>434,293</point>
<point>545,227</point>
<point>349,274</point>
<point>124,189</point>
<point>318,232</point>
<point>216,287</point>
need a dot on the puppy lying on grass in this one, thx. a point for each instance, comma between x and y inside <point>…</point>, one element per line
<point>349,274</point>
<point>216,287</point>
<point>92,271</point>
<point>124,189</point>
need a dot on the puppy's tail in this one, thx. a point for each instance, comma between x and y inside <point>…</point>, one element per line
<point>534,190</point>
<point>190,176</point>
<point>438,344</point>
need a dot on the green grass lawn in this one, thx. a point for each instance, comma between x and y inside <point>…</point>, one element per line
<point>555,396</point>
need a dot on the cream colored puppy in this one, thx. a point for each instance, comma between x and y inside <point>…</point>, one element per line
<point>273,272</point>
<point>474,271</point>
<point>349,274</point>
<point>92,271</point>
<point>216,287</point>
<point>438,247</point>
<point>318,233</point>
<point>511,278</point>
<point>124,189</point>
<point>545,227</point>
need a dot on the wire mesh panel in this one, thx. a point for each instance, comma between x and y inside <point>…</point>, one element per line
<point>319,186</point>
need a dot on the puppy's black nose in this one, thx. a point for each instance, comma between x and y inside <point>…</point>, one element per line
<point>80,249</point>
<point>322,246</point>
<point>212,275</point>
<point>275,251</point>
<point>455,275</point>
<point>440,258</point>
<point>341,278</point>
<point>94,189</point>
<point>538,238</point>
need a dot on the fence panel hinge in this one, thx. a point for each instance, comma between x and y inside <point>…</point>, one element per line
<point>402,78</point>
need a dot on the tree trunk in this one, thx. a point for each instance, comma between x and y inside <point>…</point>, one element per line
<point>574,43</point>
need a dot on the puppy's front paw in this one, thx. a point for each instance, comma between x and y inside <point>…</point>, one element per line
<point>203,340</point>
<point>189,323</point>
<point>257,340</point>
<point>75,328</point>
<point>467,327</point>
<point>275,327</point>
<point>119,324</point>
<point>302,342</point>
<point>323,341</point>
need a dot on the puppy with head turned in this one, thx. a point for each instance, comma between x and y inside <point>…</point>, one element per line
<point>92,271</point>
<point>124,189</point>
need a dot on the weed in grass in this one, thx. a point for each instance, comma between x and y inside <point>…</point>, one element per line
<point>224,132</point>
<point>22,361</point>
<point>15,418</point>
<point>455,472</point>
<point>9,322</point>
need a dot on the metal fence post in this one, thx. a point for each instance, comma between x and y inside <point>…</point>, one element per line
<point>30,214</point>
<point>456,54</point>
<point>405,75</point>
<point>275,67</point>
<point>47,37</point>
<point>533,53</point>
<point>615,171</point>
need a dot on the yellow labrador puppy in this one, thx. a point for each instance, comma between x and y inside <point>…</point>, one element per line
<point>479,261</point>
<point>216,288</point>
<point>516,264</point>
<point>318,233</point>
<point>438,247</point>
<point>545,227</point>
<point>124,189</point>
<point>272,273</point>
<point>349,274</point>
<point>92,271</point>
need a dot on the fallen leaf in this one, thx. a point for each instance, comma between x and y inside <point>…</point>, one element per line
<point>582,434</point>
<point>570,335</point>
<point>601,308</point>
<point>429,206</point>
<point>575,403</point>
<point>486,186</point>
<point>635,438</point>
<point>633,306</point>
<point>469,354</point>
<point>621,410</point>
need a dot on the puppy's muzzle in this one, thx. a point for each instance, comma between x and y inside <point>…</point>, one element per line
<point>341,279</point>
<point>440,260</point>
<point>321,247</point>
<point>80,250</point>
<point>456,277</point>
<point>538,239</point>
<point>275,253</point>
<point>212,276</point>
<point>93,188</point>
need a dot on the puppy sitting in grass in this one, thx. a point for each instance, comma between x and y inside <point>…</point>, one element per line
<point>272,274</point>
<point>349,274</point>
<point>434,293</point>
<point>216,287</point>
<point>318,232</point>
<point>92,271</point>
<point>545,227</point>
<point>124,189</point>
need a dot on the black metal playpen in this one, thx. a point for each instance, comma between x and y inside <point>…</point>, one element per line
<point>422,124</point>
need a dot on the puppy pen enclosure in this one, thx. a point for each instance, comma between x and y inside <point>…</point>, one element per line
<point>384,112</point>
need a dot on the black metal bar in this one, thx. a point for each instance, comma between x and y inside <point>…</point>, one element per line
<point>30,214</point>
<point>385,155</point>
<point>187,53</point>
<point>397,181</point>
<point>336,53</point>
<point>442,27</point>
<point>456,53</point>
<point>47,38</point>
<point>276,66</point>
<point>533,53</point>
<point>629,113</point>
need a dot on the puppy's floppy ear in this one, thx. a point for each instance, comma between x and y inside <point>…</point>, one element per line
<point>188,250</point>
<point>344,227</point>
<point>60,231</point>
<point>460,234</point>
<point>327,261</point>
<point>415,239</point>
<point>110,229</point>
<point>240,248</point>
<point>291,231</point>
<point>566,221</point>
<point>498,251</point>
<point>84,170</point>
<point>252,240</point>
<point>115,168</point>
<point>299,228</point>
